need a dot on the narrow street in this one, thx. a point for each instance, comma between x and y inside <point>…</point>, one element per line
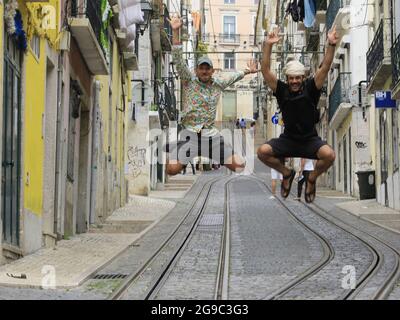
<point>147,146</point>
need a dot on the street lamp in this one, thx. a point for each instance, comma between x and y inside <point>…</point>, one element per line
<point>147,10</point>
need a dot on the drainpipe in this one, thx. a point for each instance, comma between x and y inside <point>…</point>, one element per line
<point>59,146</point>
<point>94,155</point>
<point>143,88</point>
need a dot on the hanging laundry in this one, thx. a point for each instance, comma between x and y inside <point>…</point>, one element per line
<point>196,16</point>
<point>296,10</point>
<point>310,12</point>
<point>300,4</point>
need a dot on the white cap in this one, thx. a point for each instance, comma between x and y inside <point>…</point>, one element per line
<point>295,68</point>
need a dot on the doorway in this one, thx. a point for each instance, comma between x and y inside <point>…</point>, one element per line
<point>11,153</point>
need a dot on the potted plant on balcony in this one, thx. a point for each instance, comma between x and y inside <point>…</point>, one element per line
<point>153,110</point>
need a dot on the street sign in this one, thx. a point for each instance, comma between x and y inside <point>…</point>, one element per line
<point>275,119</point>
<point>383,99</point>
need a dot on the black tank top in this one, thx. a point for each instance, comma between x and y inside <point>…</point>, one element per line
<point>299,109</point>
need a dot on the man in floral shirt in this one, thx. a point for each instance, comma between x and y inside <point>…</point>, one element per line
<point>200,99</point>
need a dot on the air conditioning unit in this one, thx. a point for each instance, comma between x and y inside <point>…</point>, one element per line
<point>354,95</point>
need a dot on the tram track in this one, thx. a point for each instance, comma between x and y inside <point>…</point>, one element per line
<point>374,268</point>
<point>375,282</point>
<point>122,289</point>
<point>196,212</point>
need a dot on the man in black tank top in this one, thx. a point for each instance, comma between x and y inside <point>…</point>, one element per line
<point>298,99</point>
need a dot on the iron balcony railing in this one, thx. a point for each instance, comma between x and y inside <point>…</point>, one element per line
<point>167,26</point>
<point>252,38</point>
<point>92,11</point>
<point>375,53</point>
<point>205,37</point>
<point>230,38</point>
<point>332,11</point>
<point>339,93</point>
<point>396,61</point>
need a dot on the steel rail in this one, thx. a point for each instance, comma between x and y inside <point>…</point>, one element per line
<point>222,283</point>
<point>327,256</point>
<point>121,290</point>
<point>384,290</point>
<point>163,276</point>
<point>376,264</point>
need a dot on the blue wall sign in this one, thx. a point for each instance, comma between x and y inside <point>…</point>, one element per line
<point>275,119</point>
<point>383,99</point>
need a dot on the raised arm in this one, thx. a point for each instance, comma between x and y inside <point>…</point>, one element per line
<point>322,72</point>
<point>252,67</point>
<point>269,76</point>
<point>181,66</point>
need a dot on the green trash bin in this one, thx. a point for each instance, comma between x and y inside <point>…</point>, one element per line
<point>366,184</point>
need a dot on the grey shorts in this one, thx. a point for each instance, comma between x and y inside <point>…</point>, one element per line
<point>286,147</point>
<point>191,145</point>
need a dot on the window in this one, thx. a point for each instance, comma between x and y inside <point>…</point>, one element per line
<point>35,45</point>
<point>229,1</point>
<point>395,126</point>
<point>229,24</point>
<point>229,61</point>
<point>229,105</point>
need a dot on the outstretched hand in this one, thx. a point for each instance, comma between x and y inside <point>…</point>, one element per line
<point>252,66</point>
<point>333,36</point>
<point>175,22</point>
<point>273,37</point>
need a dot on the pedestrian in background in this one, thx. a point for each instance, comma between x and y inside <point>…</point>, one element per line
<point>275,176</point>
<point>306,166</point>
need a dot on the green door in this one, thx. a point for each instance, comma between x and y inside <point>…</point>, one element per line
<point>10,173</point>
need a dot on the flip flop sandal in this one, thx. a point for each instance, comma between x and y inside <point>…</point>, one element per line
<point>285,191</point>
<point>310,196</point>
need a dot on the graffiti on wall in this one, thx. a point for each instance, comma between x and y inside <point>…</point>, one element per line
<point>136,160</point>
<point>361,145</point>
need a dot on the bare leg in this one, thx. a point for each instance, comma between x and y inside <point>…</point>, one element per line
<point>174,167</point>
<point>326,157</point>
<point>266,155</point>
<point>273,187</point>
<point>235,164</point>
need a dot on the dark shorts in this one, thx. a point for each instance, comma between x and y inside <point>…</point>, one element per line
<point>286,147</point>
<point>191,145</point>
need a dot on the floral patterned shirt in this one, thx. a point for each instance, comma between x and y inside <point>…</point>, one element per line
<point>199,99</point>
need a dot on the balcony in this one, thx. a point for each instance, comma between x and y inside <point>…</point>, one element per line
<point>166,34</point>
<point>229,38</point>
<point>205,37</point>
<point>396,69</point>
<point>336,11</point>
<point>378,58</point>
<point>313,38</point>
<point>87,28</point>
<point>320,15</point>
<point>339,100</point>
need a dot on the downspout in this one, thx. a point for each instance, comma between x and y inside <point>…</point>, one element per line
<point>57,209</point>
<point>143,88</point>
<point>94,155</point>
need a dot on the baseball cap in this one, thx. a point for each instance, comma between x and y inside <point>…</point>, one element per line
<point>206,60</point>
